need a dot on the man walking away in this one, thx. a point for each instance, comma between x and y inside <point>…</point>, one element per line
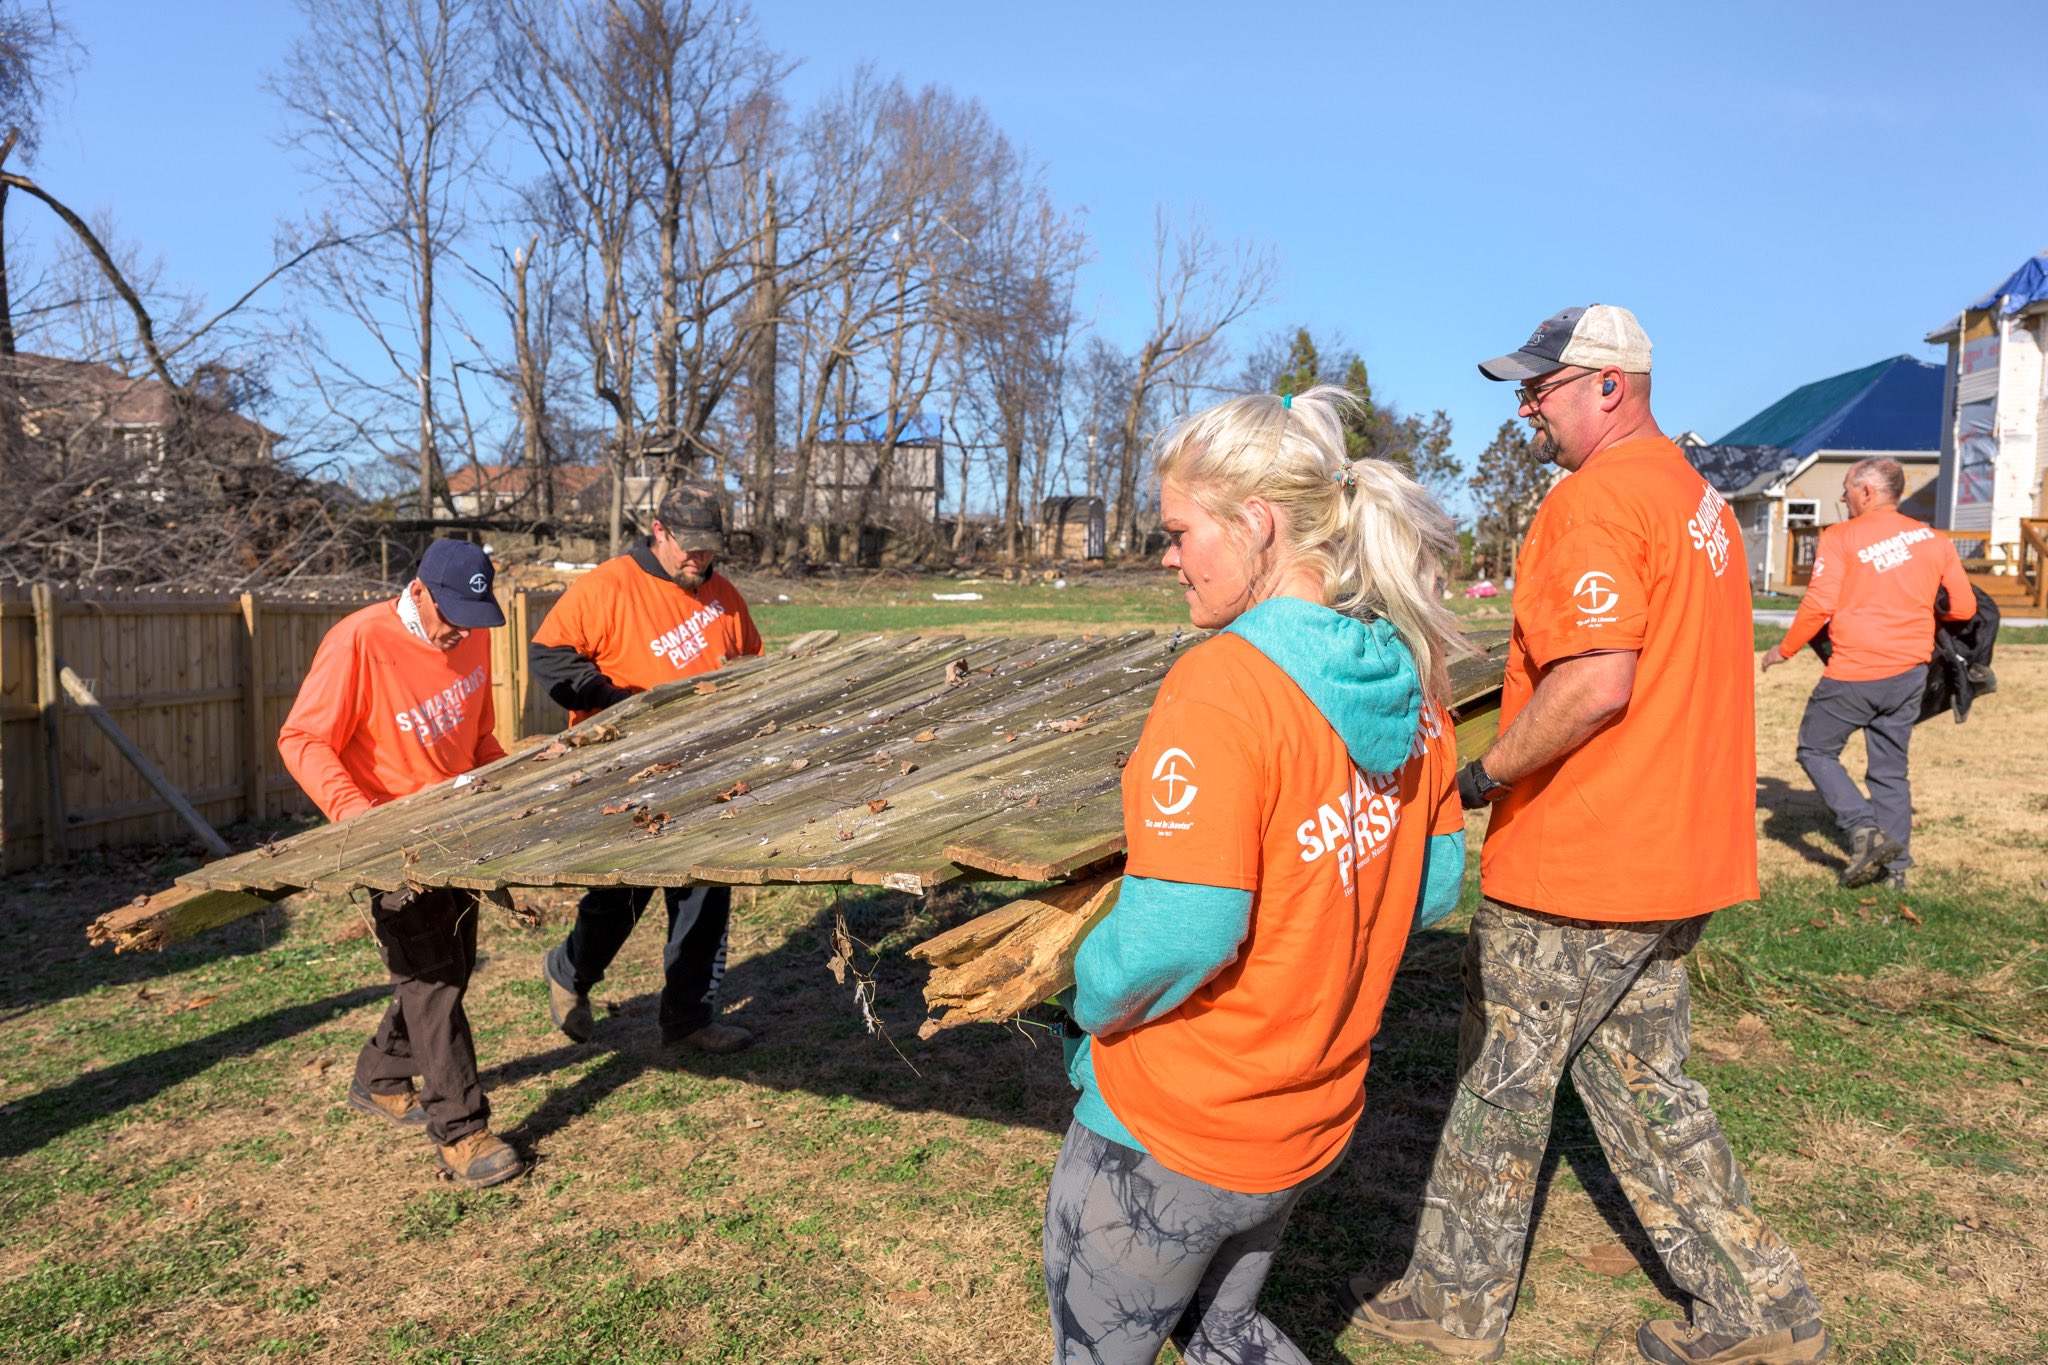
<point>399,698</point>
<point>1623,787</point>
<point>658,613</point>
<point>1874,584</point>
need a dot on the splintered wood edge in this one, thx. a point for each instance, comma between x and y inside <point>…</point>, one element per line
<point>175,915</point>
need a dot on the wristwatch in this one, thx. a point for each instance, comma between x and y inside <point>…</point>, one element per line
<point>1477,787</point>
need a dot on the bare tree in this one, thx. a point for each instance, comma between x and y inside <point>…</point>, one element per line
<point>1019,318</point>
<point>382,95</point>
<point>1200,286</point>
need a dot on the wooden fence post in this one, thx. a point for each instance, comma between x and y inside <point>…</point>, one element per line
<point>255,772</point>
<point>49,703</point>
<point>522,680</point>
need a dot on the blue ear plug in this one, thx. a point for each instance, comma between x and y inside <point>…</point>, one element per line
<point>1606,386</point>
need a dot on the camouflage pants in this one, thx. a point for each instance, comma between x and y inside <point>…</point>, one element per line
<point>1610,1002</point>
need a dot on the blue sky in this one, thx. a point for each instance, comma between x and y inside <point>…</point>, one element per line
<point>1781,192</point>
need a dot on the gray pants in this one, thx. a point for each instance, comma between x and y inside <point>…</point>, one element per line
<point>1135,1253</point>
<point>1884,710</point>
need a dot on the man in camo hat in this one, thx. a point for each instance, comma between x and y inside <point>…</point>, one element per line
<point>657,613</point>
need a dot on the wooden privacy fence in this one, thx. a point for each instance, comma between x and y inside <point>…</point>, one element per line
<point>200,683</point>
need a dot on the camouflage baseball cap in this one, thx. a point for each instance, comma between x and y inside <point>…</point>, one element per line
<point>692,515</point>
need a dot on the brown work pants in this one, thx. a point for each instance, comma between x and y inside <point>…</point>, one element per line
<point>428,942</point>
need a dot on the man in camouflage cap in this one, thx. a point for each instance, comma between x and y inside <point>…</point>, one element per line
<point>1622,792</point>
<point>657,613</point>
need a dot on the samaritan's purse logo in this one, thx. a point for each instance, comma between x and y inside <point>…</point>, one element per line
<point>476,583</point>
<point>1179,787</point>
<point>1595,593</point>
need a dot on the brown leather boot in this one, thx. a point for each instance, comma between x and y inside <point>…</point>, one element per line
<point>1394,1315</point>
<point>403,1109</point>
<point>1677,1343</point>
<point>480,1160</point>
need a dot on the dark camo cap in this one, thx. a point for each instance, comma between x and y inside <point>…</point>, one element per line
<point>692,514</point>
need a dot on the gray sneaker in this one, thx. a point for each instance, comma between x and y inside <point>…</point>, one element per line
<point>1870,848</point>
<point>1895,878</point>
<point>569,1009</point>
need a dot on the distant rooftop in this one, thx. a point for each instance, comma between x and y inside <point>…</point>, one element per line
<point>1892,405</point>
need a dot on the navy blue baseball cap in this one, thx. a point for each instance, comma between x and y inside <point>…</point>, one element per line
<point>458,576</point>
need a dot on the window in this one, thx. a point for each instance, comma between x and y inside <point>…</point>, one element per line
<point>1802,512</point>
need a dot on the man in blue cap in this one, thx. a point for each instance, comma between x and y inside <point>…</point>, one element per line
<point>399,698</point>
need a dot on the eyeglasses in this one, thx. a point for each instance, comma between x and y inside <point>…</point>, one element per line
<point>1533,397</point>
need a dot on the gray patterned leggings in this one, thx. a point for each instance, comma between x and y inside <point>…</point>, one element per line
<point>1135,1253</point>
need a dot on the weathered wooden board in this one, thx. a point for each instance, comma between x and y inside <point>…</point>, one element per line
<point>875,760</point>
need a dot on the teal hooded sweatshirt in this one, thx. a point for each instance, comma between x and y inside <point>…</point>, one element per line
<point>1165,938</point>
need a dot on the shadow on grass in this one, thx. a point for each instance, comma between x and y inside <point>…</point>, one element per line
<point>1791,814</point>
<point>44,957</point>
<point>37,1119</point>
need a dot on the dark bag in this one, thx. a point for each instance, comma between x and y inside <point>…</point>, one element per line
<point>1960,670</point>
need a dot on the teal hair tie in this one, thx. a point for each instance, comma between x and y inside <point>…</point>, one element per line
<point>1287,401</point>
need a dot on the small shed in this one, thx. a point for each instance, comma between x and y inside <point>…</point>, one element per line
<point>1072,528</point>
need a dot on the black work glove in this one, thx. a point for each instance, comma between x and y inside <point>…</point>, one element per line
<point>1476,789</point>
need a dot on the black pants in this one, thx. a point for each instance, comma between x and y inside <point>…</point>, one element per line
<point>1884,710</point>
<point>428,942</point>
<point>693,958</point>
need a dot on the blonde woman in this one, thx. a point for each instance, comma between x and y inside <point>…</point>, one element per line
<point>1291,813</point>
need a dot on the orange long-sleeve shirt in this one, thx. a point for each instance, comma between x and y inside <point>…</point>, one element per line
<point>1873,585</point>
<point>382,713</point>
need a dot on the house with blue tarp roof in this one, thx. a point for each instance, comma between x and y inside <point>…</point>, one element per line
<point>1994,429</point>
<point>1782,470</point>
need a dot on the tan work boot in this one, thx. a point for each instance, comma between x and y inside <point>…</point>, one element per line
<point>1676,1343</point>
<point>480,1160</point>
<point>1395,1315</point>
<point>716,1036</point>
<point>403,1109</point>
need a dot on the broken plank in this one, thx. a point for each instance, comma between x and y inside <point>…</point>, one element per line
<point>153,922</point>
<point>997,966</point>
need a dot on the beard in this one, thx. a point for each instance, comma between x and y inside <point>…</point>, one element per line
<point>694,578</point>
<point>1546,447</point>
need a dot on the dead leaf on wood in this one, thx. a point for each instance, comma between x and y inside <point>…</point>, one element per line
<point>1032,802</point>
<point>1009,736</point>
<point>906,767</point>
<point>651,822</point>
<point>797,765</point>
<point>842,950</point>
<point>1122,758</point>
<point>554,749</point>
<point>654,770</point>
<point>879,804</point>
<point>596,734</point>
<point>412,855</point>
<point>1608,1258</point>
<point>576,779</point>
<point>727,814</point>
<point>732,793</point>
<point>705,689</point>
<point>956,672</point>
<point>770,728</point>
<point>925,736</point>
<point>530,810</point>
<point>846,834</point>
<point>1072,723</point>
<point>622,807</point>
<point>482,786</point>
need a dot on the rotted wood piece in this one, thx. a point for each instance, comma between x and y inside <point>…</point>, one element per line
<point>996,966</point>
<point>150,923</point>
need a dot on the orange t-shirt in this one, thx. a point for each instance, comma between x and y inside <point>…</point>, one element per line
<point>1654,817</point>
<point>382,713</point>
<point>1255,1081</point>
<point>1873,585</point>
<point>642,631</point>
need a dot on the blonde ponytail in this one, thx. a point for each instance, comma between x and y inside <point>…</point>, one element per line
<point>1373,535</point>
